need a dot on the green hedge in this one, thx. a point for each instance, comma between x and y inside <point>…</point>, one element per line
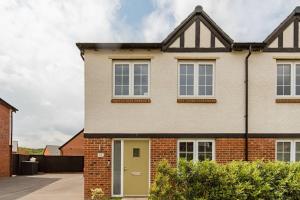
<point>236,180</point>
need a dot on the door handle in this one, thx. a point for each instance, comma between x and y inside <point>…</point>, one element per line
<point>125,169</point>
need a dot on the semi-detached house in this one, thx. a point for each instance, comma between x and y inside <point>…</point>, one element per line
<point>196,95</point>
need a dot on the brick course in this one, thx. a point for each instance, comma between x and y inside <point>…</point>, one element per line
<point>261,149</point>
<point>229,149</point>
<point>5,148</point>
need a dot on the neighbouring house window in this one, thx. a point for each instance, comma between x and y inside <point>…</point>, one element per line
<point>131,79</point>
<point>288,150</point>
<point>196,79</point>
<point>288,79</point>
<point>197,150</point>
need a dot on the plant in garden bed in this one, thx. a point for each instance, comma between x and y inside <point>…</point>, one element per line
<point>236,180</point>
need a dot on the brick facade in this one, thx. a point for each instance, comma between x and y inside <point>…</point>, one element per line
<point>162,149</point>
<point>5,148</point>
<point>74,147</point>
<point>97,171</point>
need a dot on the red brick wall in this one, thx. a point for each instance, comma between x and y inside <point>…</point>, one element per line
<point>162,149</point>
<point>74,147</point>
<point>5,149</point>
<point>229,149</point>
<point>261,148</point>
<point>97,171</point>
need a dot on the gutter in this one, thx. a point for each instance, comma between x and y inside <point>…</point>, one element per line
<point>247,102</point>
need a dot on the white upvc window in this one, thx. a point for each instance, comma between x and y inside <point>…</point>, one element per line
<point>131,78</point>
<point>288,150</point>
<point>196,150</point>
<point>288,79</point>
<point>196,79</point>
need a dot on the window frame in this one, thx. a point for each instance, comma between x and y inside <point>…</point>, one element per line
<point>131,78</point>
<point>195,148</point>
<point>293,65</point>
<point>293,149</point>
<point>196,79</point>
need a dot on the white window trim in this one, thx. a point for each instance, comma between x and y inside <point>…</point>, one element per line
<point>195,147</point>
<point>131,79</point>
<point>293,149</point>
<point>293,78</point>
<point>196,74</point>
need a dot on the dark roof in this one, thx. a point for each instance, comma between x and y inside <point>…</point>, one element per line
<point>95,46</point>
<point>71,138</point>
<point>283,25</point>
<point>255,46</point>
<point>8,105</point>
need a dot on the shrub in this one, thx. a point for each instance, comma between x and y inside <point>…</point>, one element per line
<point>97,194</point>
<point>236,180</point>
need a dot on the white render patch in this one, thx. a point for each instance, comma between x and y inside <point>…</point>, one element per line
<point>205,35</point>
<point>218,43</point>
<point>274,44</point>
<point>288,36</point>
<point>189,36</point>
<point>175,44</point>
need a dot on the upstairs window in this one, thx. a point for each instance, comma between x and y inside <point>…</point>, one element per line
<point>131,79</point>
<point>196,79</point>
<point>288,79</point>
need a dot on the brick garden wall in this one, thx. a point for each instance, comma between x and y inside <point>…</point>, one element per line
<point>5,148</point>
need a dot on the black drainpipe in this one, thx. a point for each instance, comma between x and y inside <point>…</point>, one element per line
<point>246,101</point>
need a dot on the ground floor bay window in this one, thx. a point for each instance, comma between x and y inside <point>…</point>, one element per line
<point>288,150</point>
<point>196,150</point>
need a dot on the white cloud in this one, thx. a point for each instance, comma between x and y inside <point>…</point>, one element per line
<point>242,20</point>
<point>41,72</point>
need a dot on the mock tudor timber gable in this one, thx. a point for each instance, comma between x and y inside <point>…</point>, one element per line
<point>197,33</point>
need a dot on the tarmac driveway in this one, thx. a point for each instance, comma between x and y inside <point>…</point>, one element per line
<point>42,187</point>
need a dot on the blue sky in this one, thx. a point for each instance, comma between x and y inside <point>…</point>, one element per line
<point>41,72</point>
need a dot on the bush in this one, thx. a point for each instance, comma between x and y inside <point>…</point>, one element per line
<point>236,180</point>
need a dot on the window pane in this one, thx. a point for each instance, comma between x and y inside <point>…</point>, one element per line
<point>279,90</point>
<point>287,157</point>
<point>117,168</point>
<point>209,90</point>
<point>201,90</point>
<point>125,90</point>
<point>205,151</point>
<point>140,79</point>
<point>121,79</point>
<point>283,79</point>
<point>201,70</point>
<point>186,80</point>
<point>190,147</point>
<point>283,151</point>
<point>201,157</point>
<point>201,80</point>
<point>279,146</point>
<point>298,69</point>
<point>298,147</point>
<point>209,80</point>
<point>189,156</point>
<point>298,90</point>
<point>182,155</point>
<point>209,70</point>
<point>279,156</point>
<point>118,70</point>
<point>190,90</point>
<point>182,146</point>
<point>286,146</point>
<point>297,156</point>
<point>287,90</point>
<point>118,90</point>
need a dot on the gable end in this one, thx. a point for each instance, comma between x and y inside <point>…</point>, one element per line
<point>197,33</point>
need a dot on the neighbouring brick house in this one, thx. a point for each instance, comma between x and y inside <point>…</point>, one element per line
<point>74,146</point>
<point>196,95</point>
<point>6,124</point>
<point>51,150</point>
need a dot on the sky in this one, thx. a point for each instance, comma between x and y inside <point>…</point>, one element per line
<point>41,71</point>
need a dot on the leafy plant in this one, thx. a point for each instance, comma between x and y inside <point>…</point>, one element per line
<point>97,194</point>
<point>236,180</point>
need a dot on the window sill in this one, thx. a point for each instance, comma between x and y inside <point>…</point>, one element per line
<point>196,100</point>
<point>131,100</point>
<point>287,100</point>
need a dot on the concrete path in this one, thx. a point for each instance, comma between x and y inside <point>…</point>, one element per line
<point>45,187</point>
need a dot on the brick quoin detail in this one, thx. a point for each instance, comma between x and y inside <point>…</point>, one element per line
<point>5,148</point>
<point>97,171</point>
<point>161,149</point>
<point>261,149</point>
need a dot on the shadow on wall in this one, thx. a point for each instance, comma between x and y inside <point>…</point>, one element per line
<point>19,186</point>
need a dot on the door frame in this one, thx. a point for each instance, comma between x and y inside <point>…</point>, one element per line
<point>122,164</point>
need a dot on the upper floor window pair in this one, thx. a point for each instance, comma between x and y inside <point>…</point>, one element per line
<point>288,79</point>
<point>132,79</point>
